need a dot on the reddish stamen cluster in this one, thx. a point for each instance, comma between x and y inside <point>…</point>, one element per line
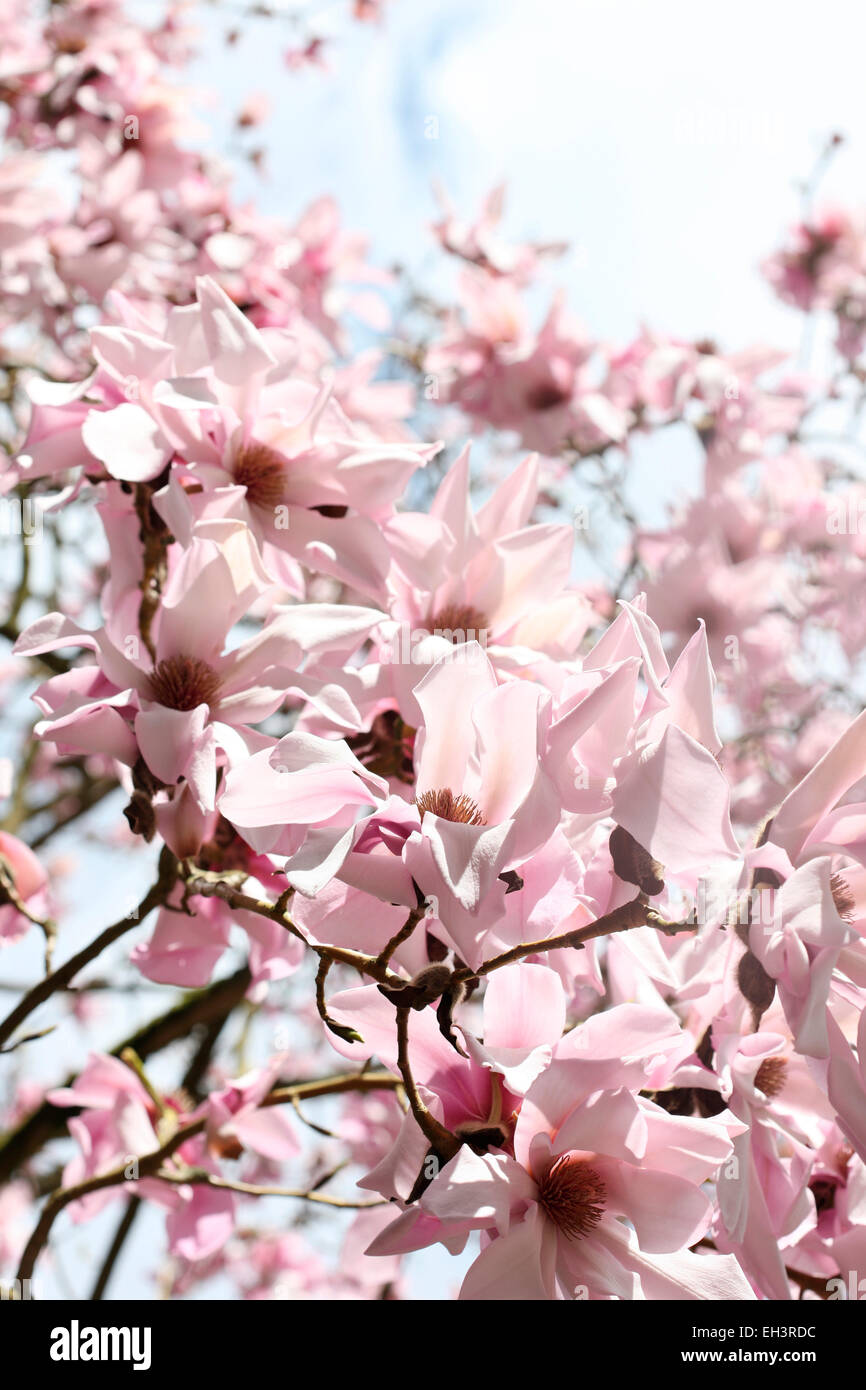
<point>843,898</point>
<point>445,804</point>
<point>573,1195</point>
<point>455,621</point>
<point>261,470</point>
<point>771,1076</point>
<point>183,682</point>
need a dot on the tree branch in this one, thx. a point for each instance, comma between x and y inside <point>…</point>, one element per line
<point>150,1165</point>
<point>202,886</point>
<point>60,978</point>
<point>201,1007</point>
<point>442,1141</point>
<point>113,1253</point>
<point>201,1177</point>
<point>631,914</point>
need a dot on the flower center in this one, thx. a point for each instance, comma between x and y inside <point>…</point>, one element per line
<point>824,1192</point>
<point>546,396</point>
<point>771,1076</point>
<point>447,806</point>
<point>457,622</point>
<point>183,682</point>
<point>843,898</point>
<point>386,748</point>
<point>261,470</point>
<point>573,1195</point>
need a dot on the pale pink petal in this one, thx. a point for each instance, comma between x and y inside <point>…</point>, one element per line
<point>675,802</point>
<point>446,694</point>
<point>519,1267</point>
<point>524,1005</point>
<point>128,441</point>
<point>200,1223</point>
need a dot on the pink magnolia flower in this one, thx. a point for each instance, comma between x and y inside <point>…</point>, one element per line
<point>118,1127</point>
<point>484,804</point>
<point>764,1202</point>
<point>816,815</point>
<point>846,1082</point>
<point>28,880</point>
<point>495,766</point>
<point>310,55</point>
<point>279,797</point>
<point>801,948</point>
<point>834,1249</point>
<point>501,374</point>
<point>480,244</point>
<point>237,1120</point>
<point>241,416</point>
<point>186,706</point>
<point>185,946</point>
<point>458,576</point>
<point>820,252</point>
<point>477,1095</point>
<point>588,1153</point>
<point>650,763</point>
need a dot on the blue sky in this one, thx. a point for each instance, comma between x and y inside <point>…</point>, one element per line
<point>664,140</point>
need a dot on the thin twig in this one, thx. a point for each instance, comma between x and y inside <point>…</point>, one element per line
<point>340,1030</point>
<point>116,1246</point>
<point>631,914</point>
<point>61,977</point>
<point>199,1176</point>
<point>397,940</point>
<point>207,886</point>
<point>150,1164</point>
<point>442,1141</point>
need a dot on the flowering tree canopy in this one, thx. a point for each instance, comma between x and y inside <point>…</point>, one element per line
<point>503,850</point>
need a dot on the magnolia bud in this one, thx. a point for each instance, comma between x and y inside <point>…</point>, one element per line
<point>427,985</point>
<point>634,864</point>
<point>756,986</point>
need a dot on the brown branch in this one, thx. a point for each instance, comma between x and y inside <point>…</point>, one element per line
<point>340,1030</point>
<point>155,539</point>
<point>150,1164</point>
<point>60,978</point>
<point>636,913</point>
<point>147,1165</point>
<point>124,1227</point>
<point>444,1144</point>
<point>408,927</point>
<point>206,886</point>
<point>88,797</point>
<point>201,1177</point>
<point>197,1009</point>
